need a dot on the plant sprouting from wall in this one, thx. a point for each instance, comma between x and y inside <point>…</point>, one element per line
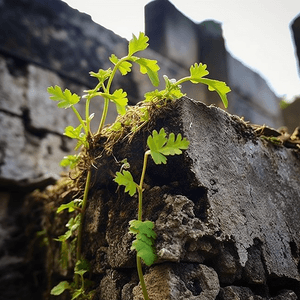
<point>159,147</point>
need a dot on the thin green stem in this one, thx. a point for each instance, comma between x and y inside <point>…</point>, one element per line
<point>87,115</point>
<point>140,187</point>
<point>182,80</point>
<point>79,237</point>
<point>106,90</point>
<point>141,277</point>
<point>80,119</point>
<point>104,115</point>
<point>140,210</point>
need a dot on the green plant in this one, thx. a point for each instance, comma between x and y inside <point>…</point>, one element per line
<point>159,147</point>
<point>72,239</point>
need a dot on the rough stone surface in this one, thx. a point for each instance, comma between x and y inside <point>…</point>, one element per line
<point>229,204</point>
<point>183,281</point>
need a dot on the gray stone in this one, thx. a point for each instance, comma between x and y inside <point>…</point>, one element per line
<point>253,183</point>
<point>230,202</point>
<point>238,293</point>
<point>12,85</point>
<point>179,282</point>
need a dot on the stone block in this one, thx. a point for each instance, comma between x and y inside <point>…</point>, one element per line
<point>171,33</point>
<point>252,87</point>
<point>13,84</point>
<point>228,205</point>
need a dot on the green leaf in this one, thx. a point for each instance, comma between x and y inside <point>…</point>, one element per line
<point>77,293</point>
<point>82,264</point>
<point>102,75</point>
<point>172,90</point>
<point>144,242</point>
<point>119,97</point>
<point>124,67</point>
<point>150,67</point>
<point>174,146</point>
<point>66,99</point>
<point>197,72</point>
<point>160,146</point>
<point>125,178</point>
<point>60,288</point>
<point>137,44</point>
<point>71,206</point>
<point>75,133</point>
<point>155,144</point>
<point>70,161</point>
<point>220,87</point>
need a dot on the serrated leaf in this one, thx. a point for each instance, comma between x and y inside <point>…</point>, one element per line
<point>102,75</point>
<point>72,132</point>
<point>137,44</point>
<point>220,87</point>
<point>119,97</point>
<point>160,146</point>
<point>66,99</point>
<point>60,288</point>
<point>125,178</point>
<point>124,67</point>
<point>198,71</point>
<point>144,241</point>
<point>174,146</point>
<point>150,67</point>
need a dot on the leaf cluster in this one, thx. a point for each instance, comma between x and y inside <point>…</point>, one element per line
<point>144,240</point>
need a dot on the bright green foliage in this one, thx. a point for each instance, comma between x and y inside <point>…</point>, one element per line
<point>119,97</point>
<point>102,75</point>
<point>150,67</point>
<point>124,67</point>
<point>66,99</point>
<point>70,161</point>
<point>125,178</point>
<point>197,72</point>
<point>160,145</point>
<point>137,44</point>
<point>75,133</point>
<point>72,226</point>
<point>71,206</point>
<point>144,242</point>
<point>220,87</point>
<point>60,288</point>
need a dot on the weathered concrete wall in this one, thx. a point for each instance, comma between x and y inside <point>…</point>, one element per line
<point>226,214</point>
<point>251,97</point>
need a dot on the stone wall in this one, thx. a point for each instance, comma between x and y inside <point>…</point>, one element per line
<point>184,42</point>
<point>226,214</point>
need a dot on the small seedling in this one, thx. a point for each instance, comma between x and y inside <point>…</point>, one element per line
<point>159,147</point>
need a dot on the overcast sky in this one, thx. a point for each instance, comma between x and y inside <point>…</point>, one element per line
<point>257,32</point>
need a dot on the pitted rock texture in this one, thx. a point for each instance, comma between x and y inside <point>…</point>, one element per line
<point>225,213</point>
<point>230,203</point>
